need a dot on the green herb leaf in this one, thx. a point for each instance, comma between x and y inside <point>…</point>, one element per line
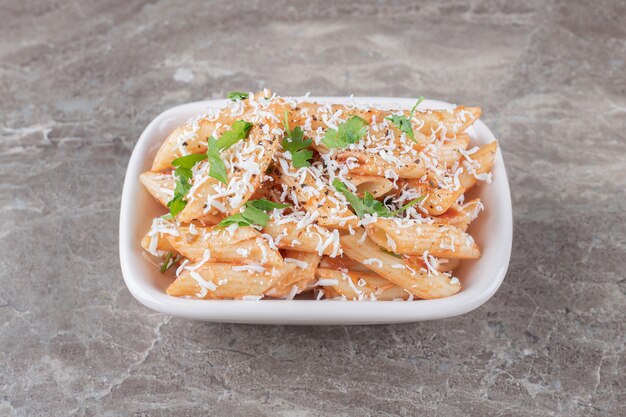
<point>357,204</point>
<point>234,219</point>
<point>169,262</point>
<point>167,216</point>
<point>236,95</point>
<point>254,213</point>
<point>417,103</point>
<point>296,145</point>
<point>165,266</point>
<point>403,122</point>
<point>176,205</point>
<point>349,132</point>
<point>217,169</point>
<point>188,161</point>
<point>238,131</point>
<point>183,176</point>
<point>266,205</point>
<point>255,216</point>
<point>248,217</point>
<point>407,205</point>
<point>368,204</point>
<point>374,206</point>
<point>183,184</point>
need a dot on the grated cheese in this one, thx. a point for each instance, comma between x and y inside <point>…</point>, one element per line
<point>300,264</point>
<point>327,282</point>
<point>371,261</point>
<point>249,268</point>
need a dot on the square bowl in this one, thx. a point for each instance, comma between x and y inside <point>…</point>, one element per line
<point>492,230</point>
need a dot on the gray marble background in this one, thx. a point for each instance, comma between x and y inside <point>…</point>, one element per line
<point>80,80</point>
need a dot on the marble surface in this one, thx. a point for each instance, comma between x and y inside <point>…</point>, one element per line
<point>79,81</point>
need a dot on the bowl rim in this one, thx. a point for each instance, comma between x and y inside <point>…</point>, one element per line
<point>300,311</point>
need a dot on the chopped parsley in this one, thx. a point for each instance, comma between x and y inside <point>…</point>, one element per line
<point>403,122</point>
<point>296,145</point>
<point>266,205</point>
<point>188,161</point>
<point>349,132</point>
<point>368,204</point>
<point>237,95</point>
<point>217,169</point>
<point>176,205</point>
<point>254,213</point>
<point>238,131</point>
<point>407,205</point>
<point>169,262</point>
<point>183,176</point>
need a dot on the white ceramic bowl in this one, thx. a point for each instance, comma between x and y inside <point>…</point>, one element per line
<point>481,278</point>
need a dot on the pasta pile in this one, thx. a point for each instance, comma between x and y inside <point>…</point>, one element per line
<point>271,197</point>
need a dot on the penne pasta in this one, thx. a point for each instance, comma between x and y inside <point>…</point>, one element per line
<point>427,125</point>
<point>479,164</point>
<point>159,185</point>
<point>248,162</point>
<point>444,123</point>
<point>412,238</point>
<point>467,115</point>
<point>413,165</point>
<point>300,279</point>
<point>450,151</point>
<point>197,207</point>
<point>342,262</point>
<point>224,280</point>
<point>290,196</point>
<point>440,198</point>
<point>358,285</point>
<point>375,185</point>
<point>421,283</point>
<point>156,240</point>
<point>460,216</point>
<point>191,137</point>
<point>376,165</point>
<point>310,238</point>
<point>162,243</point>
<point>245,245</point>
<point>329,211</point>
<point>448,265</point>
